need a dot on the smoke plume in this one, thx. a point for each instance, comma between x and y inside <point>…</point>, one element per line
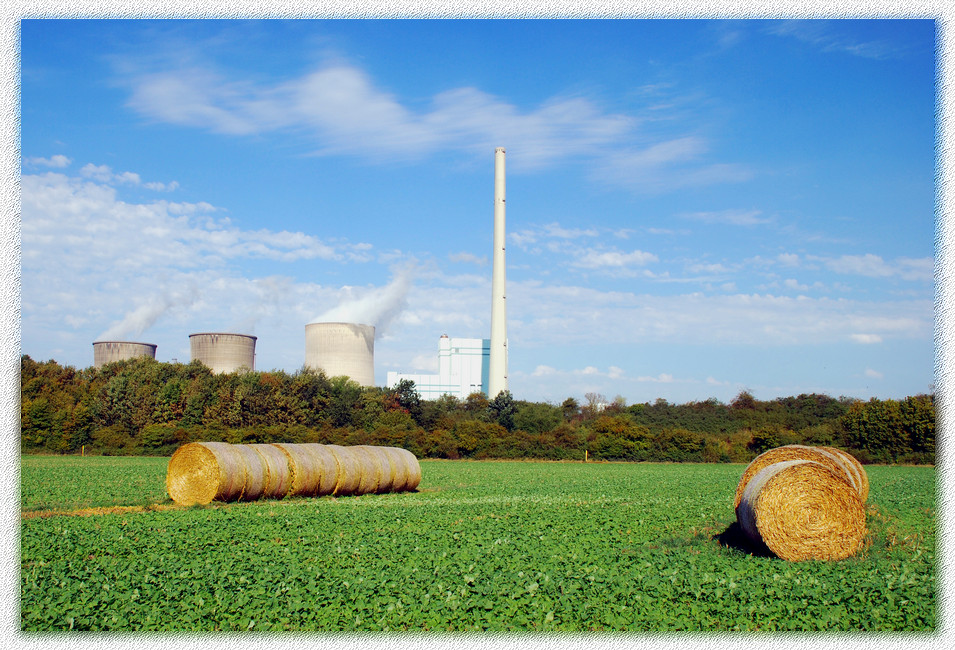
<point>143,317</point>
<point>379,306</point>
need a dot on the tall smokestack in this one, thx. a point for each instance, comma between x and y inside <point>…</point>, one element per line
<point>497,367</point>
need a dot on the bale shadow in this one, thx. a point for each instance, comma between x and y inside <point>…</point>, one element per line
<point>735,538</point>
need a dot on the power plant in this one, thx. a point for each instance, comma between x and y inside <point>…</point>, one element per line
<point>223,352</point>
<point>466,365</point>
<point>109,351</point>
<point>462,370</point>
<point>342,349</point>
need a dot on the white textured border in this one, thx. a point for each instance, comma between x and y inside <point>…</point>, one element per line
<point>13,11</point>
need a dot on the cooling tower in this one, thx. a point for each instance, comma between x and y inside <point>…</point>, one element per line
<point>108,351</point>
<point>223,352</point>
<point>342,349</point>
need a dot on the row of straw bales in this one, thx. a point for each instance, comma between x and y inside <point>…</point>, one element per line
<point>804,503</point>
<point>202,472</point>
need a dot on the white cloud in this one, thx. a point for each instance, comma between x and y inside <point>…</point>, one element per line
<point>593,259</point>
<point>866,339</point>
<point>788,259</point>
<point>662,378</point>
<point>730,217</point>
<point>543,371</point>
<point>818,34</point>
<point>112,268</point>
<point>665,166</point>
<point>104,174</point>
<point>58,161</point>
<point>873,374</point>
<point>341,110</point>
<point>574,315</point>
<point>711,268</point>
<point>344,111</point>
<point>873,266</point>
<point>468,258</point>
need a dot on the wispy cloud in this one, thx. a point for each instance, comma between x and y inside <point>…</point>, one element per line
<point>120,266</point>
<point>58,161</point>
<point>729,217</point>
<point>594,259</point>
<point>468,258</point>
<point>820,35</point>
<point>696,318</point>
<point>104,174</point>
<point>343,111</point>
<point>340,110</point>
<point>873,266</point>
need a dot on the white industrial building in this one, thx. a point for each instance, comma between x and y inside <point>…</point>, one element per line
<point>462,369</point>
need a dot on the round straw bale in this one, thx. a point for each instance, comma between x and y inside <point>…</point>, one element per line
<point>802,510</point>
<point>327,466</point>
<point>386,479</point>
<point>837,463</point>
<point>862,479</point>
<point>349,470</point>
<point>401,468</point>
<point>202,472</point>
<point>413,468</point>
<point>371,469</point>
<point>408,474</point>
<point>306,471</point>
<point>255,471</point>
<point>278,474</point>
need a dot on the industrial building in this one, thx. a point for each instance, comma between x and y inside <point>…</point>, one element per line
<point>463,366</point>
<point>109,351</point>
<point>223,352</point>
<point>342,349</point>
<point>468,366</point>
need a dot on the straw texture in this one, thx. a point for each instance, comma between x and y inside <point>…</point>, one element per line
<point>202,472</point>
<point>802,510</point>
<point>349,470</point>
<point>841,463</point>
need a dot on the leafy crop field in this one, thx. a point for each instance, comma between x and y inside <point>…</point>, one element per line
<point>520,546</point>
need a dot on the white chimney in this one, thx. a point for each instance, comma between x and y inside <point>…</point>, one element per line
<point>497,366</point>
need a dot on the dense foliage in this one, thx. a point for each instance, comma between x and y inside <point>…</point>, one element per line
<point>145,407</point>
<point>497,545</point>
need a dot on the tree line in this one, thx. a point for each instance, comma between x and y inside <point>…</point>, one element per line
<point>145,407</point>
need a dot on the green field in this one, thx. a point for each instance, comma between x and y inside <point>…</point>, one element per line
<point>519,546</point>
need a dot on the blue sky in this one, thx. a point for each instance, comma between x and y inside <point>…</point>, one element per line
<point>694,207</point>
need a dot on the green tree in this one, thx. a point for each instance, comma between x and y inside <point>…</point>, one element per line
<point>501,410</point>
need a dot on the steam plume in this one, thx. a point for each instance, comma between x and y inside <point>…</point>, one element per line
<point>143,317</point>
<point>378,307</point>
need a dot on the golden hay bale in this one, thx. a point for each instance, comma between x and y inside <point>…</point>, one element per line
<point>823,455</point>
<point>327,466</point>
<point>278,473</point>
<point>400,466</point>
<point>202,472</point>
<point>349,470</point>
<point>386,479</point>
<point>409,469</point>
<point>306,470</point>
<point>414,477</point>
<point>371,469</point>
<point>256,472</point>
<point>862,478</point>
<point>802,510</point>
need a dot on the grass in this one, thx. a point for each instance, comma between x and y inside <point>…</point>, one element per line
<point>508,546</point>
